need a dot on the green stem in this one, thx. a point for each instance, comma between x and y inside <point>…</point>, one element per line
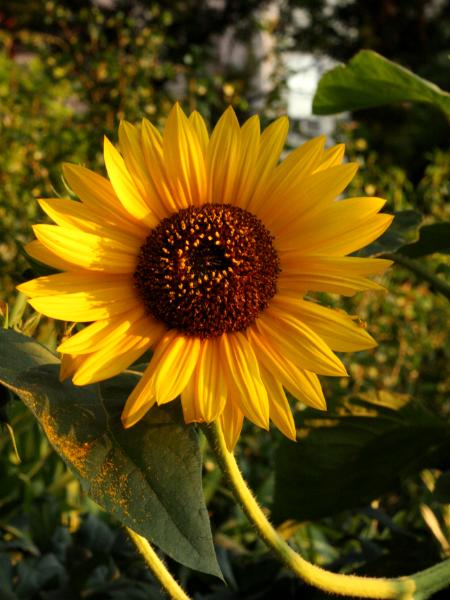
<point>418,269</point>
<point>414,587</point>
<point>157,567</point>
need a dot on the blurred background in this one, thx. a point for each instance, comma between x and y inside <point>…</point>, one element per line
<point>69,72</point>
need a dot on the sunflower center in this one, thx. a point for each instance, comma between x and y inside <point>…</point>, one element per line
<point>207,270</point>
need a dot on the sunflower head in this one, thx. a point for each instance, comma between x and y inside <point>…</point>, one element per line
<point>203,248</point>
<point>207,270</point>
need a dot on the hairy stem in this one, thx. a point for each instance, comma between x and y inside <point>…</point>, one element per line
<point>157,567</point>
<point>415,587</point>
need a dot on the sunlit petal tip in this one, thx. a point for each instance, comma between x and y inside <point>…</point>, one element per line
<point>200,129</point>
<point>231,420</point>
<point>333,156</point>
<point>253,121</point>
<point>130,419</point>
<point>355,166</point>
<point>69,365</point>
<point>132,415</point>
<point>387,263</point>
<point>322,407</point>
<point>283,122</point>
<point>80,380</point>
<point>127,420</point>
<point>289,432</point>
<point>109,149</point>
<point>370,343</point>
<point>197,120</point>
<point>176,112</point>
<point>68,167</point>
<point>281,125</point>
<point>125,128</point>
<point>229,118</point>
<point>25,288</point>
<point>274,136</point>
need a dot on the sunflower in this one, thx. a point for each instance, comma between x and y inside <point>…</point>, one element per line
<point>203,248</point>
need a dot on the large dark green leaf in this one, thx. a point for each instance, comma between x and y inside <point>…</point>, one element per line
<point>149,476</point>
<point>371,80</point>
<point>432,238</point>
<point>345,461</point>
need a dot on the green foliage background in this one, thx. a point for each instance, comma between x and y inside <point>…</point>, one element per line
<point>68,73</point>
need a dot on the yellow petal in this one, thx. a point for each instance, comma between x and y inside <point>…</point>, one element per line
<point>294,261</point>
<point>139,401</point>
<point>303,385</point>
<point>76,281</point>
<point>199,127</point>
<point>39,252</point>
<point>118,353</point>
<point>332,157</point>
<point>344,224</point>
<point>222,158</point>
<point>246,179</point>
<point>189,404</point>
<point>90,251</point>
<point>152,149</point>
<point>352,239</point>
<point>340,275</point>
<point>183,156</point>
<point>130,147</point>
<point>279,409</point>
<point>102,301</point>
<point>75,215</point>
<point>205,395</point>
<point>69,364</point>
<point>70,213</point>
<point>289,174</point>
<point>298,343</point>
<point>109,362</point>
<point>272,142</point>
<point>345,285</point>
<point>172,365</point>
<point>311,392</point>
<point>95,336</point>
<point>231,421</point>
<point>335,327</point>
<point>243,378</point>
<point>99,196</point>
<point>209,381</point>
<point>315,194</point>
<point>125,188</point>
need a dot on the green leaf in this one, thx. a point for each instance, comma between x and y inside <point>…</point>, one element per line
<point>148,477</point>
<point>432,238</point>
<point>371,80</point>
<point>404,229</point>
<point>344,461</point>
<point>19,354</point>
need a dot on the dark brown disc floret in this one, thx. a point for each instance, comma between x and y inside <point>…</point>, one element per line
<point>207,270</point>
